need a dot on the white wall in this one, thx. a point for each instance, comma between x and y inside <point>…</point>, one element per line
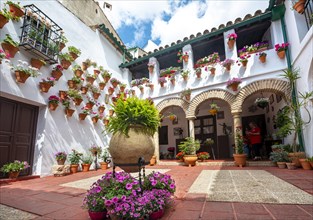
<point>55,132</point>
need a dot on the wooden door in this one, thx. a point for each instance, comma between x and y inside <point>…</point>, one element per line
<point>17,132</point>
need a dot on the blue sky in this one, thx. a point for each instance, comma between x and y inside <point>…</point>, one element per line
<point>153,23</point>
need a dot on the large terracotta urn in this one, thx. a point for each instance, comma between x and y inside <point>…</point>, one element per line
<point>127,150</point>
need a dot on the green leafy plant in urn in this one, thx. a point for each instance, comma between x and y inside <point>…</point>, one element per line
<point>189,147</point>
<point>133,126</point>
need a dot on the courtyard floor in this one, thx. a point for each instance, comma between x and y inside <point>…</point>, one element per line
<point>203,192</point>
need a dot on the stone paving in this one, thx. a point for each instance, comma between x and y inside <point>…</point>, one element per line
<point>48,198</point>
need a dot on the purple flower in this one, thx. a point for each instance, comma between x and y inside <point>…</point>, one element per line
<point>129,186</point>
<point>172,186</point>
<point>108,202</point>
<point>115,199</point>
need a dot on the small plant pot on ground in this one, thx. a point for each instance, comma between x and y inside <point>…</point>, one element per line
<point>104,165</point>
<point>291,166</point>
<point>190,160</point>
<point>74,168</point>
<point>305,164</point>
<point>85,167</point>
<point>281,165</point>
<point>240,159</point>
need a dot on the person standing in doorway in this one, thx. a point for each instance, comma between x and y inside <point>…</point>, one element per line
<point>254,135</point>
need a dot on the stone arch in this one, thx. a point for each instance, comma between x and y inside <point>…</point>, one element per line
<point>266,85</point>
<point>210,94</point>
<point>173,102</point>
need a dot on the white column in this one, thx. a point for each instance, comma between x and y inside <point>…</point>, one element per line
<point>230,53</point>
<point>156,71</point>
<point>237,123</point>
<point>157,146</point>
<point>191,127</point>
<point>187,48</point>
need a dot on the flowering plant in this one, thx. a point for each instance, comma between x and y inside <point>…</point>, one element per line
<point>94,89</point>
<point>95,149</point>
<point>74,157</point>
<point>144,80</point>
<point>157,180</point>
<point>91,75</point>
<point>85,110</point>
<point>123,85</point>
<point>50,80</point>
<point>3,55</point>
<point>91,101</point>
<point>60,155</point>
<point>96,115</point>
<point>203,155</point>
<point>58,67</point>
<point>114,80</point>
<point>24,67</point>
<point>15,166</point>
<point>76,67</point>
<point>214,106</point>
<point>281,47</point>
<point>234,81</point>
<point>181,56</point>
<point>66,103</point>
<point>169,71</point>
<point>262,54</point>
<point>232,36</point>
<point>211,59</point>
<point>135,82</point>
<point>185,73</point>
<point>66,56</point>
<point>227,62</point>
<point>54,99</point>
<point>77,80</point>
<point>180,155</point>
<point>162,80</point>
<point>6,14</point>
<point>243,58</point>
<point>106,73</point>
<point>151,64</point>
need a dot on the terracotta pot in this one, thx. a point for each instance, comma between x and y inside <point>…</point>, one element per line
<point>151,86</point>
<point>228,67</point>
<point>56,74</point>
<point>97,215</point>
<point>142,90</point>
<point>61,46</point>
<point>150,68</point>
<point>240,159</point>
<point>103,165</point>
<point>106,122</point>
<point>44,86</point>
<point>95,119</point>
<point>9,49</point>
<point>234,86</point>
<point>172,117</point>
<point>244,63</point>
<point>77,101</point>
<point>134,93</point>
<point>111,112</point>
<point>90,79</point>
<point>65,64</point>
<point>262,59</point>
<point>295,158</point>
<point>156,215</point>
<point>162,84</point>
<point>36,63</point>
<point>114,84</point>
<point>85,167</point>
<point>173,82</point>
<point>69,112</point>
<point>21,76</point>
<point>101,86</point>
<point>3,21</point>
<point>61,162</point>
<point>74,168</point>
<point>78,73</point>
<point>231,44</point>
<point>305,164</point>
<point>187,97</point>
<point>73,55</point>
<point>185,58</point>
<point>212,70</point>
<point>71,84</point>
<point>62,94</point>
<point>53,106</point>
<point>213,111</point>
<point>281,165</point>
<point>291,166</point>
<point>82,116</point>
<point>101,109</point>
<point>84,66</point>
<point>185,78</point>
<point>127,150</point>
<point>281,54</point>
<point>14,175</point>
<point>96,72</point>
<point>198,74</point>
<point>122,89</point>
<point>153,161</point>
<point>190,160</point>
<point>84,89</point>
<point>110,91</point>
<point>15,11</point>
<point>96,95</point>
<point>299,6</point>
<point>107,78</point>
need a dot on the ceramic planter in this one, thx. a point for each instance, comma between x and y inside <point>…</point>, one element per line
<point>188,97</point>
<point>198,74</point>
<point>212,70</point>
<point>153,161</point>
<point>228,67</point>
<point>62,94</point>
<point>156,215</point>
<point>111,112</point>
<point>281,54</point>
<point>44,86</point>
<point>240,159</point>
<point>78,73</point>
<point>114,84</point>
<point>173,82</point>
<point>150,68</point>
<point>231,44</point>
<point>127,150</point>
<point>101,86</point>
<point>73,55</point>
<point>97,215</point>
<point>3,21</point>
<point>61,162</point>
<point>95,120</point>
<point>71,84</point>
<point>244,63</point>
<point>291,166</point>
<point>36,63</point>
<point>262,59</point>
<point>15,11</point>
<point>122,89</point>
<point>61,46</point>
<point>77,101</point>
<point>69,112</point>
<point>151,87</point>
<point>74,168</point>
<point>295,158</point>
<point>305,164</point>
<point>185,78</point>
<point>185,58</point>
<point>90,79</point>
<point>21,76</point>
<point>53,106</point>
<point>213,111</point>
<point>299,6</point>
<point>9,49</point>
<point>84,66</point>
<point>101,109</point>
<point>234,86</point>
<point>104,165</point>
<point>190,160</point>
<point>56,74</point>
<point>162,84</point>
<point>14,175</point>
<point>110,91</point>
<point>85,167</point>
<point>84,89</point>
<point>65,64</point>
<point>107,78</point>
<point>82,116</point>
<point>106,122</point>
<point>96,72</point>
<point>96,95</point>
<point>281,165</point>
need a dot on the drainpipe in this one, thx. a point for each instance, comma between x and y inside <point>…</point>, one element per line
<point>294,89</point>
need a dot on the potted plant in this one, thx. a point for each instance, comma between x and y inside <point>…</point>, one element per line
<point>74,52</point>
<point>144,80</point>
<point>14,168</point>
<point>23,71</point>
<point>74,158</point>
<point>111,90</point>
<point>86,64</point>
<point>98,70</point>
<point>74,82</point>
<point>114,82</point>
<point>172,79</point>
<point>186,94</point>
<point>239,156</point>
<point>3,55</point>
<point>134,124</point>
<point>95,92</point>
<point>141,88</point>
<point>45,84</point>
<point>10,46</point>
<point>231,40</point>
<point>262,102</point>
<point>90,103</point>
<point>77,70</point>
<point>74,94</point>
<point>169,71</point>
<point>15,9</point>
<point>189,148</point>
<point>95,117</point>
<point>262,57</point>
<point>60,157</point>
<point>172,116</point>
<point>5,17</point>
<point>185,74</point>
<point>85,111</point>
<point>37,63</point>
<point>62,41</point>
<point>180,156</point>
<point>299,6</point>
<point>214,108</point>
<point>86,163</point>
<point>57,71</point>
<point>234,83</point>
<point>227,64</point>
<point>106,76</point>
<point>53,102</point>
<point>305,163</point>
<point>198,72</point>
<point>281,49</point>
<point>182,56</point>
<point>162,80</point>
<point>95,150</point>
<point>135,82</point>
<point>106,120</point>
<point>104,157</point>
<point>243,59</point>
<point>66,104</point>
<point>101,109</point>
<point>151,67</point>
<point>66,60</point>
<point>150,85</point>
<point>122,87</point>
<point>280,157</point>
<point>203,156</point>
<point>310,159</point>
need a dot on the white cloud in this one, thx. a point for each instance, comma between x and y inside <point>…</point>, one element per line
<point>150,46</point>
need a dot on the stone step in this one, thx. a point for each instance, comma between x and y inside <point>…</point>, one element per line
<point>220,163</point>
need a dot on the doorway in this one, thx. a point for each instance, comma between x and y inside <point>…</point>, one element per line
<point>17,132</point>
